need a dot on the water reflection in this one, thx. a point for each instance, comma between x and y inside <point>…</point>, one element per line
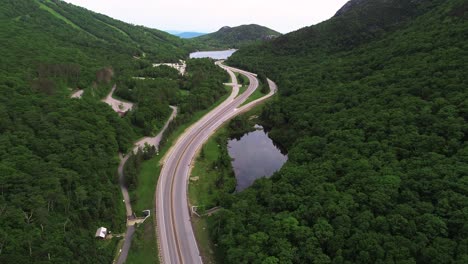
<point>254,155</point>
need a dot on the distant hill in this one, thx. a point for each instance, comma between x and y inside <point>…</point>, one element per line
<point>188,35</point>
<point>185,34</point>
<point>235,37</point>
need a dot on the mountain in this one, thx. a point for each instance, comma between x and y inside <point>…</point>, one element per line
<point>373,110</point>
<point>350,5</point>
<point>80,27</point>
<point>235,37</point>
<point>41,32</point>
<point>357,22</point>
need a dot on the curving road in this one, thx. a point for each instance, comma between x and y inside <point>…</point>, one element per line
<point>175,234</point>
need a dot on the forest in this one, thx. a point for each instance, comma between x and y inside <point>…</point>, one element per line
<point>373,109</point>
<point>197,90</point>
<point>59,156</point>
<point>372,106</point>
<point>57,177</point>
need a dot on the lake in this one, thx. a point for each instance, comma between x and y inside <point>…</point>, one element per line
<point>254,156</point>
<point>217,55</point>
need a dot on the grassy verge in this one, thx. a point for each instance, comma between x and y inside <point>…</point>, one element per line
<point>117,250</point>
<point>211,174</point>
<point>256,95</point>
<point>211,177</point>
<point>147,179</point>
<point>206,246</point>
<point>145,249</point>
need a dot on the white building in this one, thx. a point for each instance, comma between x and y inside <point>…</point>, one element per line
<point>101,232</point>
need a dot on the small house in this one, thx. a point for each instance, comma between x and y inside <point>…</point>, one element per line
<point>101,232</point>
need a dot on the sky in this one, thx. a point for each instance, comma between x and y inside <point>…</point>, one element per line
<point>210,15</point>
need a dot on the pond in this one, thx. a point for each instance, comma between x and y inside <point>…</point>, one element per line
<point>217,55</point>
<point>254,155</point>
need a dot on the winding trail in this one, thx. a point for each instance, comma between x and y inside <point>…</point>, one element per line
<point>152,141</point>
<point>118,106</point>
<point>174,228</point>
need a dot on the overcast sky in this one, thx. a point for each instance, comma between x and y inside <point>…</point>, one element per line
<point>210,15</point>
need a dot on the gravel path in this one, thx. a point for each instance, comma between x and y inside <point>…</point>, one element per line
<point>154,141</point>
<point>118,106</point>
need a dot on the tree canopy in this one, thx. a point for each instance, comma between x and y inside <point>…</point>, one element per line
<point>58,155</point>
<point>373,111</point>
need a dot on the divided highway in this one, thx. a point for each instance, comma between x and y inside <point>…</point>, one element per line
<point>174,228</point>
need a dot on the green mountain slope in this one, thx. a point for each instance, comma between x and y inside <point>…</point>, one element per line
<point>373,108</point>
<point>158,45</point>
<point>54,31</point>
<point>235,37</point>
<point>58,156</point>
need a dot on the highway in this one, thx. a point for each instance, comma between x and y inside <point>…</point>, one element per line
<point>174,229</point>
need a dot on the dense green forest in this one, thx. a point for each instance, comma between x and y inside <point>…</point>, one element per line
<point>197,90</point>
<point>58,161</point>
<point>58,156</point>
<point>201,87</point>
<point>373,108</point>
<point>153,96</point>
<point>202,83</point>
<point>234,37</point>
